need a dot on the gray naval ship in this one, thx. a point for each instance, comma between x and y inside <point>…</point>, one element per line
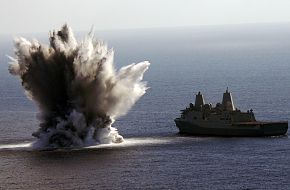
<point>225,120</point>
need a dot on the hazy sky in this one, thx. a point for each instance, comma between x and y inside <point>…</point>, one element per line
<point>23,16</point>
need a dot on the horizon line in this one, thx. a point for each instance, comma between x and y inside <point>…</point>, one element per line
<point>152,28</point>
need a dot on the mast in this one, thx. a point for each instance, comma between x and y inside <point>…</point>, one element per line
<point>199,101</point>
<point>228,102</point>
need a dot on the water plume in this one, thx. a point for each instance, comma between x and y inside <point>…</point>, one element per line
<point>77,89</point>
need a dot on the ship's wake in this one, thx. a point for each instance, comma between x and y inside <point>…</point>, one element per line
<point>77,89</point>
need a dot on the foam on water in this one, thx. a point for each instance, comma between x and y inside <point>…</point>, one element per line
<point>128,142</point>
<point>20,146</point>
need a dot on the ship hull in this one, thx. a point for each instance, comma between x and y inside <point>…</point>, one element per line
<point>247,129</point>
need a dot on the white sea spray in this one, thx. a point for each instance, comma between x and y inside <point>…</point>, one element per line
<point>76,87</point>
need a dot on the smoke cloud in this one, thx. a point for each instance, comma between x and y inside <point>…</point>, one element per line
<point>77,89</point>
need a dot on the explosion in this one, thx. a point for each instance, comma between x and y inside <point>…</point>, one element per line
<point>76,88</point>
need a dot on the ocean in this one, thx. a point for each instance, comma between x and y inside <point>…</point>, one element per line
<point>253,61</point>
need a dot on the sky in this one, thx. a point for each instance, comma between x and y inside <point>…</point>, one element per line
<point>35,16</point>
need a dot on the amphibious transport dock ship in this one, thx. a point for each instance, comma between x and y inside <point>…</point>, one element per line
<point>224,120</point>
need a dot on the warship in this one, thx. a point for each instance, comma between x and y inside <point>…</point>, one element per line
<point>225,120</point>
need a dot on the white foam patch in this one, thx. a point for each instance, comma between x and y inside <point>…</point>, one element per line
<point>20,146</point>
<point>126,143</point>
<point>133,142</point>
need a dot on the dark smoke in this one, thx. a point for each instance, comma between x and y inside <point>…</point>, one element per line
<point>77,90</point>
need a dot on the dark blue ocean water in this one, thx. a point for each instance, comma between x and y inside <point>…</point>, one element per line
<point>252,60</point>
